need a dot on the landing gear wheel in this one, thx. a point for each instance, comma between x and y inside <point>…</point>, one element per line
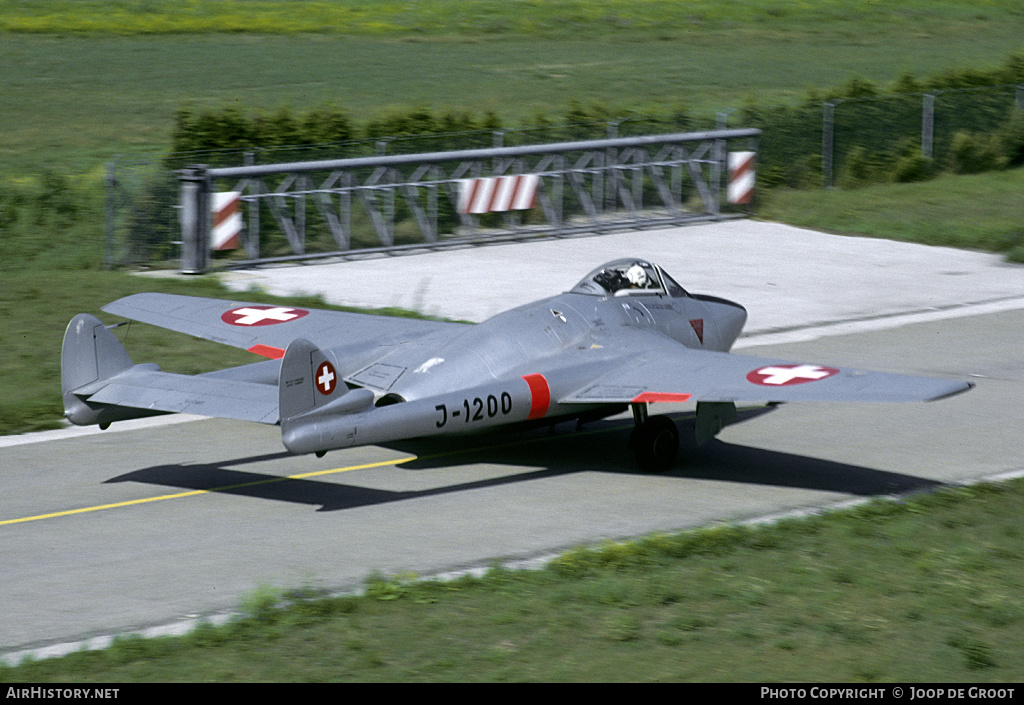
<point>655,444</point>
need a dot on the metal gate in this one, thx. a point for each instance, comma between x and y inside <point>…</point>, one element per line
<point>587,186</point>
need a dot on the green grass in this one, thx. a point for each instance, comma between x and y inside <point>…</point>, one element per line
<point>477,18</point>
<point>975,212</point>
<point>922,590</point>
<point>74,99</point>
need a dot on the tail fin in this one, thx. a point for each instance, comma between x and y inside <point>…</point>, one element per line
<point>90,354</point>
<point>312,400</point>
<point>310,382</point>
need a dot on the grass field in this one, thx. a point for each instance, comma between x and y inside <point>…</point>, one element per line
<point>74,99</point>
<point>481,19</point>
<point>973,212</point>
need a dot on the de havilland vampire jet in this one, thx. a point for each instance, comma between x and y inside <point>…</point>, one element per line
<point>626,336</point>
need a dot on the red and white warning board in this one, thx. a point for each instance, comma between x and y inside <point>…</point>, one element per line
<point>741,177</point>
<point>498,194</point>
<point>226,227</point>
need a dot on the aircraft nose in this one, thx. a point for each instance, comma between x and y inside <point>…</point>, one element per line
<point>731,317</point>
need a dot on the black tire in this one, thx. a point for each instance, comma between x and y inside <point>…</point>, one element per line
<point>655,444</point>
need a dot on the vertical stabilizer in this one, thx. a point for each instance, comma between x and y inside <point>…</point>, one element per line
<point>295,388</point>
<point>310,381</point>
<point>90,355</point>
<point>313,400</point>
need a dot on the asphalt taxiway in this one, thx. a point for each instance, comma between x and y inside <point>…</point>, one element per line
<point>150,523</point>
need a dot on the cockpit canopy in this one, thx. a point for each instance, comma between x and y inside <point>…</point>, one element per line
<point>629,277</point>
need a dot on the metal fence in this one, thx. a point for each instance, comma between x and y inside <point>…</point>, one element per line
<point>142,223</point>
<point>413,201</point>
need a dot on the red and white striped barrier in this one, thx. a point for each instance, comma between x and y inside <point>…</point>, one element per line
<point>497,194</point>
<point>226,230</point>
<point>741,177</point>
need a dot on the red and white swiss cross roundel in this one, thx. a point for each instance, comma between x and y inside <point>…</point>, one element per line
<point>262,315</point>
<point>785,375</point>
<point>326,379</point>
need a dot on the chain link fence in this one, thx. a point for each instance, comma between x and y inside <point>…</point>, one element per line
<point>880,130</point>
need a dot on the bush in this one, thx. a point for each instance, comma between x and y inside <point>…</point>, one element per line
<point>911,165</point>
<point>230,130</point>
<point>861,168</point>
<point>51,218</point>
<point>1011,140</point>
<point>974,154</point>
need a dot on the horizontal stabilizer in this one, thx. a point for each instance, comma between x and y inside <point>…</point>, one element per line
<point>89,357</point>
<point>143,387</point>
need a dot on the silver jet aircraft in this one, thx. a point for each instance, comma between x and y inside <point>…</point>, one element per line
<point>625,336</point>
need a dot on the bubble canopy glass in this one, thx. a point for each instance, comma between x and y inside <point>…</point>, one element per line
<point>629,277</point>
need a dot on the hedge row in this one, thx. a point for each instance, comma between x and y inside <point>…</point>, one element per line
<point>223,136</point>
<point>877,133</point>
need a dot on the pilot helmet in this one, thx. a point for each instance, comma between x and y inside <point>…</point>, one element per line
<point>637,276</point>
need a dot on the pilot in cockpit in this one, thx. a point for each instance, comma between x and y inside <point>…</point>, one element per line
<point>637,277</point>
<point>620,279</point>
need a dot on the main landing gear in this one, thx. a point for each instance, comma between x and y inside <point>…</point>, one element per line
<point>654,441</point>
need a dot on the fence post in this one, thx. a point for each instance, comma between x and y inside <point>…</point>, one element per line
<point>928,125</point>
<point>110,219</point>
<point>195,219</point>
<point>719,166</point>
<point>251,233</point>
<point>828,137</point>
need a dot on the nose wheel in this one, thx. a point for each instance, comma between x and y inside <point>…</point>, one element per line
<point>655,441</point>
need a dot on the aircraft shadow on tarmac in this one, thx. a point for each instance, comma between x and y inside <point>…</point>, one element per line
<point>601,446</point>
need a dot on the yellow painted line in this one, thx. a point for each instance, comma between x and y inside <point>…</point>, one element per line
<point>193,493</point>
<point>300,476</point>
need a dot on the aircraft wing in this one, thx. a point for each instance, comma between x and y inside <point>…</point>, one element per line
<point>668,372</point>
<point>267,329</point>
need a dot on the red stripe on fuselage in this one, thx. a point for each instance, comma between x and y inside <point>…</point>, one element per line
<point>540,395</point>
